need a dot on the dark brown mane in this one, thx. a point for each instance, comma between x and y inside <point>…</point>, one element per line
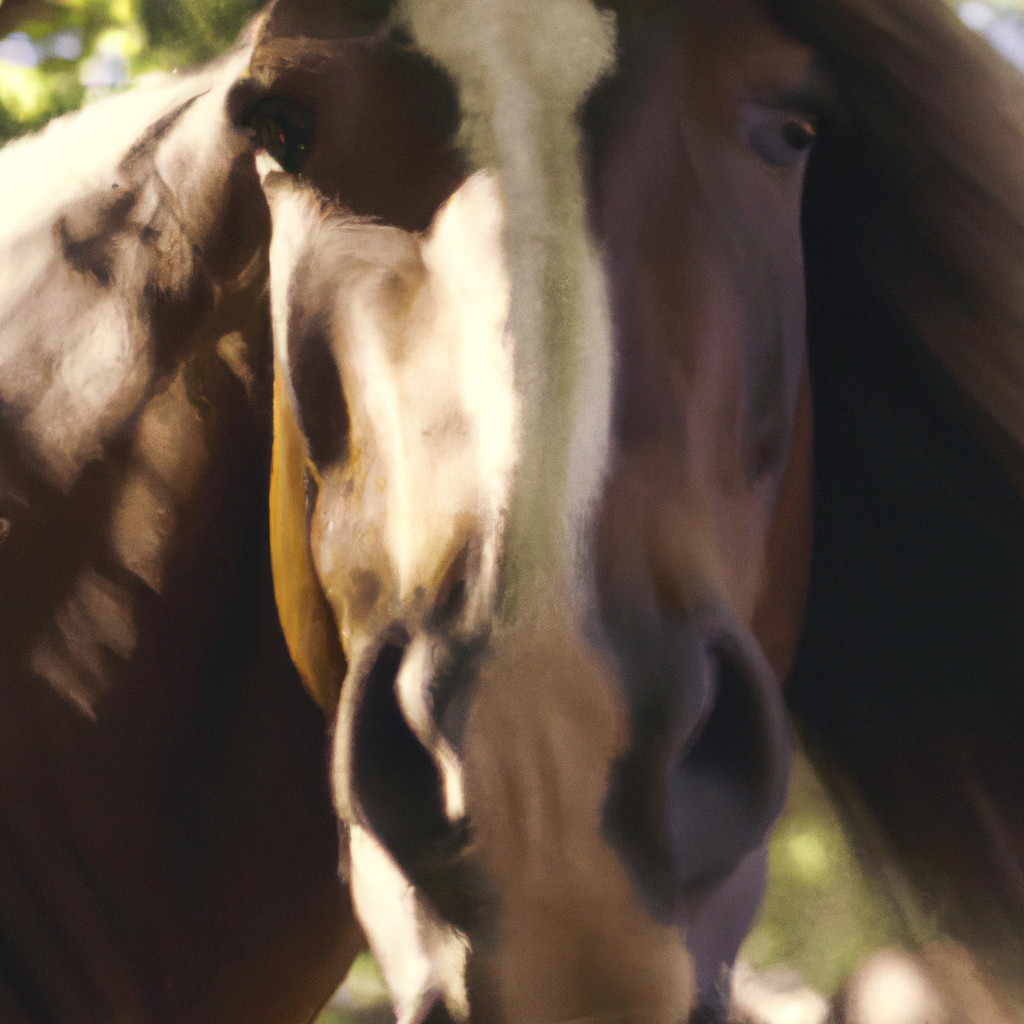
<point>941,118</point>
<point>909,680</point>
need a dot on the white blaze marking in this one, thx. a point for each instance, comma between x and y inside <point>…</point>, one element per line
<point>525,66</point>
<point>421,340</point>
<point>591,430</point>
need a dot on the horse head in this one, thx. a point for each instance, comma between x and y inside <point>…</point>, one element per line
<point>548,609</point>
<point>542,500</point>
<point>698,149</point>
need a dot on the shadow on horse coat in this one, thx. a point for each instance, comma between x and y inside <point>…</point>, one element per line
<point>559,560</point>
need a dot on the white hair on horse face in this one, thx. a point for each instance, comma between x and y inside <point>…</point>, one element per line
<point>522,70</point>
<point>521,74</point>
<point>464,257</point>
<point>419,329</point>
<point>589,446</point>
<point>422,958</point>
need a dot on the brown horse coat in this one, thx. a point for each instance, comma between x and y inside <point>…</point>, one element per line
<point>168,849</point>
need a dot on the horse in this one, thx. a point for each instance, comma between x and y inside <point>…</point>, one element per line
<point>778,471</point>
<point>541,550</point>
<point>168,848</point>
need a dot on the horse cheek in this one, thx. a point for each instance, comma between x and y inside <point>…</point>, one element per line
<point>306,618</point>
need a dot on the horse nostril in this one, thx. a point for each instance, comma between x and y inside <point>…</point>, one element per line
<point>396,782</point>
<point>728,782</point>
<point>706,774</point>
<point>729,744</point>
<point>399,793</point>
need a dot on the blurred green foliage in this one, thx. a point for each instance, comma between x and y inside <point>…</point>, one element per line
<point>362,999</point>
<point>182,33</point>
<point>118,40</point>
<point>820,916</point>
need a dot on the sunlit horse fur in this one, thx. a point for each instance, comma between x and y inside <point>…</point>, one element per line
<point>557,556</point>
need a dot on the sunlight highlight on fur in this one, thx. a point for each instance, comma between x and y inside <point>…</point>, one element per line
<point>420,334</point>
<point>422,959</point>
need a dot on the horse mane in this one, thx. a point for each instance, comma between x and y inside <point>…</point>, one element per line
<point>942,118</point>
<point>909,685</point>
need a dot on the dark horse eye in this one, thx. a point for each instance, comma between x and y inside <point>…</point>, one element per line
<point>779,137</point>
<point>799,133</point>
<point>283,127</point>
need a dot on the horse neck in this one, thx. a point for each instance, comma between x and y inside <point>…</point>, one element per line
<point>117,268</point>
<point>131,373</point>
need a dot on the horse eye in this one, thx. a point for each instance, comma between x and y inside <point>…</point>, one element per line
<point>780,138</point>
<point>283,127</point>
<point>799,133</point>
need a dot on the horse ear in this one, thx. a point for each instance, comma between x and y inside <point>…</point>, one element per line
<point>306,618</point>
